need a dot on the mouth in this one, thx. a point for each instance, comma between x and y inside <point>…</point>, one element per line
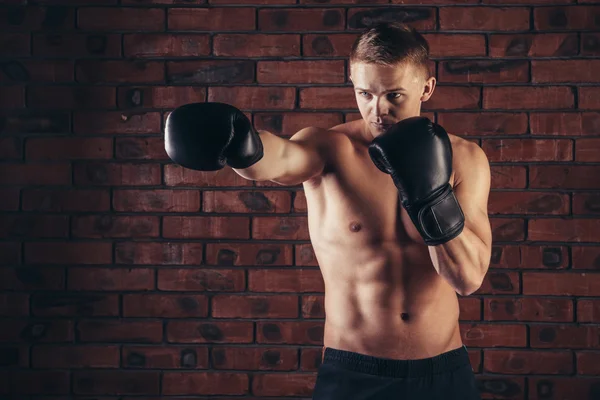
<point>381,126</point>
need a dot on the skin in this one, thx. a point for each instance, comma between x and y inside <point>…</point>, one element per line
<point>387,293</point>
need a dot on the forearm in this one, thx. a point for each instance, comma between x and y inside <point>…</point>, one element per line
<point>270,165</point>
<point>462,261</point>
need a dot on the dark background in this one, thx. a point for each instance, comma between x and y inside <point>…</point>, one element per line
<point>126,277</point>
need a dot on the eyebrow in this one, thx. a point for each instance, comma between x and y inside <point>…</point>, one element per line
<point>387,91</point>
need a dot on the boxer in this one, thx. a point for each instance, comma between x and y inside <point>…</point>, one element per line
<point>397,216</point>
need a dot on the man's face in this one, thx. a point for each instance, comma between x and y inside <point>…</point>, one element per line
<point>388,94</point>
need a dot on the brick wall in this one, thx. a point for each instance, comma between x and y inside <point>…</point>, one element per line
<point>124,275</point>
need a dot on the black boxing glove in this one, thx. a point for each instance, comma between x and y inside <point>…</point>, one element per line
<point>418,155</point>
<point>208,136</point>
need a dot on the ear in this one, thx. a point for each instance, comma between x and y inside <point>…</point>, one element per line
<point>428,89</point>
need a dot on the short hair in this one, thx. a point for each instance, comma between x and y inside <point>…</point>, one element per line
<point>392,43</point>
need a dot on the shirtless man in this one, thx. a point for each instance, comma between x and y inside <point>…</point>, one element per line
<point>397,215</point>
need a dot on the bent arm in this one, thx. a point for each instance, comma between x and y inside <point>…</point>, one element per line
<point>288,161</point>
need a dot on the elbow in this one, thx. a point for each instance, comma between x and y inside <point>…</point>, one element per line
<point>470,286</point>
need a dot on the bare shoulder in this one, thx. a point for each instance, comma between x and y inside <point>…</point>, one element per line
<point>468,159</point>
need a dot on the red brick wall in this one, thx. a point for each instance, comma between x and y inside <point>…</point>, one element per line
<point>125,275</point>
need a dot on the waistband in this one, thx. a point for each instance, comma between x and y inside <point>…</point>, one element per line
<point>441,363</point>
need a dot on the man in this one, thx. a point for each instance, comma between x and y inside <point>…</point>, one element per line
<point>397,214</point>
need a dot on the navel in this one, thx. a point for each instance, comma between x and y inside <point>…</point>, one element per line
<point>404,316</point>
<point>355,226</point>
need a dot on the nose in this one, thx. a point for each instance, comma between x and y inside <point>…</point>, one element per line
<point>381,107</point>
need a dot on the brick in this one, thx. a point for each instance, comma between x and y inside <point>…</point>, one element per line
<point>255,358</point>
<point>212,19</point>
<point>440,2</point>
<point>66,200</point>
<point>564,336</point>
<point>40,382</point>
<point>487,123</point>
<point>158,97</point>
<point>121,18</point>
<point>564,71</point>
<point>308,19</point>
<point>288,123</point>
<point>528,149</point>
<point>78,97</point>
<point>288,228</point>
<point>528,309</point>
<point>116,122</point>
<point>113,226</point>
<point>267,2</point>
<point>300,72</point>
<point>586,203</point>
<point>528,362</point>
<point>290,332</point>
<point>484,18</point>
<point>156,200</point>
<point>564,177</point>
<point>543,257</point>
<point>504,229</point>
<point>567,124</point>
<point>565,18</point>
<point>522,98</point>
<point>566,230</point>
<point>16,304</point>
<point>112,174</point>
<point>533,45</point>
<point>313,306</point>
<point>546,203</point>
<point>421,18</point>
<point>34,121</point>
<point>165,357</point>
<point>210,332</point>
<point>256,45</point>
<point>56,356</point>
<point>33,226</point>
<point>528,2</point>
<point>165,306</point>
<point>245,201</point>
<point>590,44</point>
<point>589,98</point>
<point>290,384</point>
<point>35,18</point>
<point>12,97</point>
<point>9,199</point>
<point>455,45</point>
<point>171,2</point>
<point>454,98</point>
<point>300,204</point>
<point>119,71</point>
<point>305,256</point>
<point>497,335</point>
<point>35,174</point>
<point>272,280</point>
<point>40,331</point>
<point>586,150</point>
<point>38,71</point>
<point>164,253</point>
<point>560,284</point>
<point>484,71</point>
<point>508,177</point>
<point>248,254</point>
<point>588,362</point>
<point>496,282</point>
<point>585,257</point>
<point>327,98</point>
<point>210,72</point>
<point>31,278</point>
<point>67,253</point>
<point>209,280</point>
<point>588,310</point>
<point>75,305</point>
<point>236,306</point>
<point>111,279</point>
<point>165,45</point>
<point>329,45</point>
<point>205,383</point>
<point>206,227</point>
<point>255,98</point>
<point>176,175</point>
<point>77,45</point>
<point>15,44</point>
<point>68,148</point>
<point>11,148</point>
<point>149,148</point>
<point>126,382</point>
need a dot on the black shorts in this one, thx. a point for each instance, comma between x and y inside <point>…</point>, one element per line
<point>353,376</point>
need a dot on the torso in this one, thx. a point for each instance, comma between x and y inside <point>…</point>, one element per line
<point>383,296</point>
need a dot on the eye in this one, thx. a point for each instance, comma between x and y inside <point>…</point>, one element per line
<point>395,95</point>
<point>364,94</point>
